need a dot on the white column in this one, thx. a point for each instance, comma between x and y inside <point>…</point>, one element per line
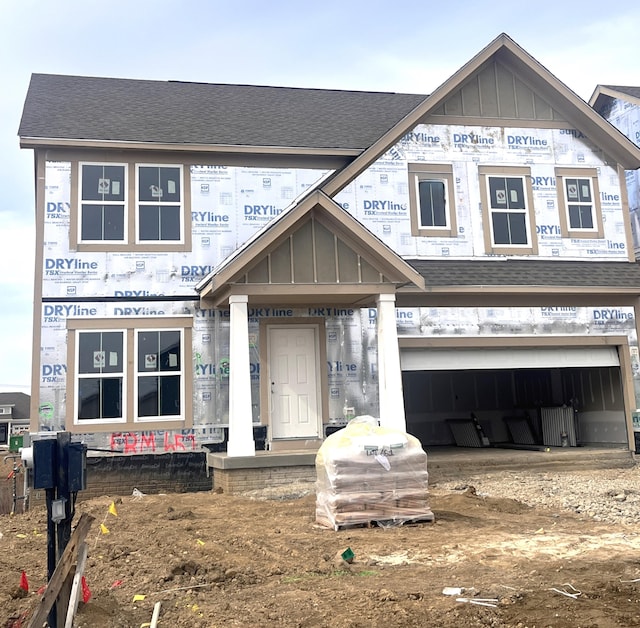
<point>241,441</point>
<point>389,373</point>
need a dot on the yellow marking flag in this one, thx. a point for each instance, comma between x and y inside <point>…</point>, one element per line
<point>104,529</point>
<point>112,509</point>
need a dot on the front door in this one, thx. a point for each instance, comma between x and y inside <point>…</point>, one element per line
<point>294,380</point>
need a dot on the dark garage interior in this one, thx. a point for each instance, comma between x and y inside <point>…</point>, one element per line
<point>509,403</point>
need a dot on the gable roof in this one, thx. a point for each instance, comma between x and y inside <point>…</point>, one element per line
<point>603,95</point>
<point>537,78</point>
<point>379,266</point>
<point>72,108</point>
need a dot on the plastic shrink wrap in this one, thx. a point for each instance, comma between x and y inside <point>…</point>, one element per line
<point>368,474</point>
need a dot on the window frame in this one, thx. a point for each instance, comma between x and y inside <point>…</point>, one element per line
<point>123,203</point>
<point>432,172</point>
<point>156,373</point>
<point>130,419</point>
<point>591,174</point>
<point>485,173</point>
<point>147,203</point>
<point>130,242</point>
<point>82,376</point>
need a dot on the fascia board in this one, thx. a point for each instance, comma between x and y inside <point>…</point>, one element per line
<point>601,92</point>
<point>52,142</point>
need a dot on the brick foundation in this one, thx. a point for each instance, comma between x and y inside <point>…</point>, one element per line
<point>163,473</point>
<point>239,480</point>
<point>266,468</point>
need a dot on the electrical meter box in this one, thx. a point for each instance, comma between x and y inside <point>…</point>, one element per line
<point>77,467</point>
<point>45,463</point>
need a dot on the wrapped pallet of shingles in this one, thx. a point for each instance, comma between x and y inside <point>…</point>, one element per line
<point>367,474</point>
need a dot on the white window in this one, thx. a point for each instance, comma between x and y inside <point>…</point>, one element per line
<point>431,197</point>
<point>507,205</point>
<point>100,361</point>
<point>103,202</point>
<point>579,203</point>
<point>159,204</point>
<point>129,371</point>
<point>159,374</point>
<point>130,206</point>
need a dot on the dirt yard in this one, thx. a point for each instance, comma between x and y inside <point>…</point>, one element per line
<point>217,560</point>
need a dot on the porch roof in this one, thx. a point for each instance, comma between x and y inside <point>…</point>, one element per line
<point>520,282</point>
<point>314,252</point>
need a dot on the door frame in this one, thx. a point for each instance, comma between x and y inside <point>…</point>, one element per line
<point>321,362</point>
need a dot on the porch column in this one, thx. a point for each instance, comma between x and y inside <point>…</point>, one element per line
<point>631,400</point>
<point>241,441</point>
<point>389,373</point>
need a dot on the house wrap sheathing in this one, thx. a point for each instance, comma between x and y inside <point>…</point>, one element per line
<point>302,255</point>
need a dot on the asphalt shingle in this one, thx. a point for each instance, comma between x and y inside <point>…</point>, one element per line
<point>630,91</point>
<point>20,401</point>
<point>528,272</point>
<point>110,109</point>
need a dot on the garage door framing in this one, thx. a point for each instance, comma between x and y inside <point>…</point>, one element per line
<point>621,343</point>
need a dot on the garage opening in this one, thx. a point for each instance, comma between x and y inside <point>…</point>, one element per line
<point>508,390</point>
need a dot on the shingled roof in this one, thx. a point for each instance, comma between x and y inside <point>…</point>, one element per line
<point>111,109</point>
<point>604,97</point>
<point>630,91</point>
<point>20,402</point>
<point>528,272</point>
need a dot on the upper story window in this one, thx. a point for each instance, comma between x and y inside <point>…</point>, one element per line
<point>431,197</point>
<point>579,203</point>
<point>159,203</point>
<point>132,206</point>
<point>507,210</point>
<point>102,202</point>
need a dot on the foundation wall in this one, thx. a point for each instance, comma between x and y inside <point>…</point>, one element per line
<point>240,480</point>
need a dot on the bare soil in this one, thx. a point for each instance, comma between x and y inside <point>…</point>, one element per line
<point>218,560</point>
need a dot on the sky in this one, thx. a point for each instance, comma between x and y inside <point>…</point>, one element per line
<point>373,45</point>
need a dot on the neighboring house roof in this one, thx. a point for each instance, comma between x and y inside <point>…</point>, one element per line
<point>603,95</point>
<point>172,112</point>
<point>20,401</point>
<point>571,282</point>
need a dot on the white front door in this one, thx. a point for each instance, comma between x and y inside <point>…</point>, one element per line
<point>294,381</point>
